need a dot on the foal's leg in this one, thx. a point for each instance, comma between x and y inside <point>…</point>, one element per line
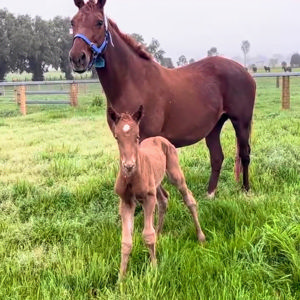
<point>216,155</point>
<point>127,209</point>
<point>242,133</point>
<point>177,178</point>
<point>162,203</point>
<point>149,232</point>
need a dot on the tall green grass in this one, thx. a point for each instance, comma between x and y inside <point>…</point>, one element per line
<point>60,230</point>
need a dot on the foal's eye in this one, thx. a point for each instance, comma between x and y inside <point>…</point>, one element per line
<point>99,23</point>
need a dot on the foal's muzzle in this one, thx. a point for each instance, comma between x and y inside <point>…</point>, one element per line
<point>128,167</point>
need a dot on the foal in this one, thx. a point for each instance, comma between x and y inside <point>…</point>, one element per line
<point>142,169</point>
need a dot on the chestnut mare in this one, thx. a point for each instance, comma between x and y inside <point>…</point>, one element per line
<point>142,169</point>
<point>184,105</point>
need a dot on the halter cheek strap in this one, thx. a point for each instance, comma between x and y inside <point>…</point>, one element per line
<point>97,59</point>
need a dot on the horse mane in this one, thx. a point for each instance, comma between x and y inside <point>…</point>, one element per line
<point>131,42</point>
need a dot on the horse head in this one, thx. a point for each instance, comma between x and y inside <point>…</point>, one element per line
<point>90,34</point>
<point>126,132</point>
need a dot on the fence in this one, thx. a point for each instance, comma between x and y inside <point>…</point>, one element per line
<point>21,95</point>
<point>22,92</point>
<point>285,95</point>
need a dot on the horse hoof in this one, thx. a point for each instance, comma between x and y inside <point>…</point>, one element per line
<point>211,195</point>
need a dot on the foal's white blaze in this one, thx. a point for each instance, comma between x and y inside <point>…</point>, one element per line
<point>126,128</point>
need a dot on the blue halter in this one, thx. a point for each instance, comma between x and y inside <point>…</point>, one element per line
<point>97,59</point>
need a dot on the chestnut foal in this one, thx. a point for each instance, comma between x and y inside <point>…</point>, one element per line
<point>142,169</point>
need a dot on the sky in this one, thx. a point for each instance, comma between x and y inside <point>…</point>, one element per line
<point>192,27</point>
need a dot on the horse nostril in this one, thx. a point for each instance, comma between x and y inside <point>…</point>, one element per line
<point>82,57</point>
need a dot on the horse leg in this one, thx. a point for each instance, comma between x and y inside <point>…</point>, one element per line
<point>176,177</point>
<point>242,134</point>
<point>149,232</point>
<point>127,216</point>
<point>162,203</point>
<point>216,155</point>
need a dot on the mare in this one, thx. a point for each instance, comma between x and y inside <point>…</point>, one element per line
<point>142,169</point>
<point>184,104</point>
<point>267,69</point>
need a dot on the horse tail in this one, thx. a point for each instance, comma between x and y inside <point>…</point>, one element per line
<point>238,163</point>
<point>238,168</point>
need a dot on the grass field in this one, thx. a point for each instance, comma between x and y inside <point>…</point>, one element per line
<point>60,230</point>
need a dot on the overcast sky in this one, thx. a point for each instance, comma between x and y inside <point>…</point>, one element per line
<point>191,27</point>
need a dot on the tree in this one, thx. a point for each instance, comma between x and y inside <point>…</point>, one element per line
<point>139,38</point>
<point>182,61</point>
<point>212,51</point>
<point>245,48</point>
<point>7,29</point>
<point>295,60</point>
<point>167,62</point>
<point>41,54</point>
<point>62,44</point>
<point>21,44</point>
<point>154,49</point>
<point>192,60</point>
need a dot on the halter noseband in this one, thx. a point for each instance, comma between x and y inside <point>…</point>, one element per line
<point>97,51</point>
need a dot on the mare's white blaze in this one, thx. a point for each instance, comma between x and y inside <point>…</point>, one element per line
<point>126,128</point>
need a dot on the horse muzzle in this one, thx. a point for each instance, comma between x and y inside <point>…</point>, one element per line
<point>128,167</point>
<point>79,61</point>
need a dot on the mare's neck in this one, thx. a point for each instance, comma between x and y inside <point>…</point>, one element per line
<point>124,69</point>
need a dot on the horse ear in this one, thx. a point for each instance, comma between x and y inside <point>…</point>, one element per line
<point>138,114</point>
<point>114,116</point>
<point>79,3</point>
<point>101,3</point>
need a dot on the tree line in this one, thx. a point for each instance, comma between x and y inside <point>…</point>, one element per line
<point>33,44</point>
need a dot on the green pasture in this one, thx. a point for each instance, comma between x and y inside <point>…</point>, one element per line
<point>60,231</point>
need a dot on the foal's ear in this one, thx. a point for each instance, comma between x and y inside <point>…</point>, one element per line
<point>101,3</point>
<point>138,114</point>
<point>114,116</point>
<point>79,3</point>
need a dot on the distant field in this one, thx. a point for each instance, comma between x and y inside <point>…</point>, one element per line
<point>60,230</point>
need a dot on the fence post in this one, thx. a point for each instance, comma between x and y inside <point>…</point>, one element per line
<point>277,81</point>
<point>285,92</point>
<point>74,94</point>
<point>22,99</point>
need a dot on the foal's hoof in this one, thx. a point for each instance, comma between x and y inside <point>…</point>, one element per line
<point>201,237</point>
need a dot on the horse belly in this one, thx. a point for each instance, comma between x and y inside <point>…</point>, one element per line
<point>194,122</point>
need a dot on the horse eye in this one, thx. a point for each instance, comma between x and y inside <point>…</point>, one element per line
<point>72,23</point>
<point>99,23</point>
